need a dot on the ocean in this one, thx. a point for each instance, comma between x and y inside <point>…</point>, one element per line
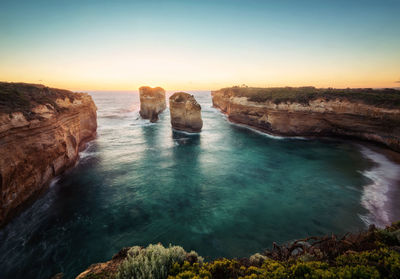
<point>229,191</point>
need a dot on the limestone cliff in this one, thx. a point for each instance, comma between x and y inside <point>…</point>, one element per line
<point>41,132</point>
<point>152,102</point>
<point>185,112</point>
<point>371,115</point>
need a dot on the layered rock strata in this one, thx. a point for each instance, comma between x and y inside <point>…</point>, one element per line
<point>185,112</point>
<point>41,132</point>
<point>152,102</point>
<point>319,116</point>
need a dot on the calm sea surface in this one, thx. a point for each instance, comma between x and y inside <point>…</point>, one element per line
<point>226,192</point>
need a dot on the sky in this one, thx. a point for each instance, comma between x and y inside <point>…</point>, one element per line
<point>200,44</point>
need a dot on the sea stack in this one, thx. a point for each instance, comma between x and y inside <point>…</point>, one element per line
<point>152,102</point>
<point>185,112</point>
<point>42,130</point>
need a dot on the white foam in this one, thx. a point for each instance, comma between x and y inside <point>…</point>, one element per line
<point>54,181</point>
<point>142,122</point>
<point>265,133</point>
<point>375,194</point>
<point>258,131</point>
<point>254,129</point>
<point>86,152</point>
<point>185,132</point>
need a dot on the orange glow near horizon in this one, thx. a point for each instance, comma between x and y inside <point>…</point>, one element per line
<point>90,76</point>
<point>180,69</point>
<point>200,45</point>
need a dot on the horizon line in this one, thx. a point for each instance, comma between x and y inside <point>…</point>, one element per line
<point>203,89</point>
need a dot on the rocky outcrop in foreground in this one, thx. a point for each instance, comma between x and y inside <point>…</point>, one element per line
<point>41,131</point>
<point>185,112</point>
<point>365,114</point>
<point>370,254</point>
<point>152,102</point>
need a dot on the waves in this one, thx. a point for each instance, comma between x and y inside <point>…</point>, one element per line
<point>255,130</point>
<point>88,152</point>
<point>118,106</point>
<point>375,197</point>
<point>123,112</point>
<point>118,114</point>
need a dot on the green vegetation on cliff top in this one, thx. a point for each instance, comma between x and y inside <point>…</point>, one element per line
<point>371,254</point>
<point>22,97</point>
<point>389,98</point>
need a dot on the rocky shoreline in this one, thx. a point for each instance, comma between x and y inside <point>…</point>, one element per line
<point>42,131</point>
<point>314,117</point>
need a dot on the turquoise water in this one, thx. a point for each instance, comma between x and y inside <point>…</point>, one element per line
<point>226,192</point>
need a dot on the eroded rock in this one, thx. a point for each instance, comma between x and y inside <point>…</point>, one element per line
<point>318,117</point>
<point>39,139</point>
<point>152,102</point>
<point>185,112</point>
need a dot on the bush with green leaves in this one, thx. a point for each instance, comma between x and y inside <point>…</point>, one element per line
<point>153,262</point>
<point>371,254</point>
<point>379,263</point>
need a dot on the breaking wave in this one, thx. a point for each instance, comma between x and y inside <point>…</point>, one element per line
<point>375,198</point>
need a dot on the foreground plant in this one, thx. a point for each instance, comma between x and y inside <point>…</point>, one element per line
<point>371,254</point>
<point>153,262</point>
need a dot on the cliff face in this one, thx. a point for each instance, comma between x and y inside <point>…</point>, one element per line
<point>185,112</point>
<point>152,102</point>
<point>318,117</point>
<point>41,132</point>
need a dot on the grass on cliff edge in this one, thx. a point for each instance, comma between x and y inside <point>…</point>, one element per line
<point>389,98</point>
<point>22,97</point>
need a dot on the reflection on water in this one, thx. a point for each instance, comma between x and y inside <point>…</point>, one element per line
<point>227,191</point>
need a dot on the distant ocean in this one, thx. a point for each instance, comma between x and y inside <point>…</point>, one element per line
<point>228,191</point>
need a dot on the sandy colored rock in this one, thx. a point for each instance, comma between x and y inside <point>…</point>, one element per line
<point>106,269</point>
<point>39,141</point>
<point>319,117</point>
<point>185,112</point>
<point>152,102</point>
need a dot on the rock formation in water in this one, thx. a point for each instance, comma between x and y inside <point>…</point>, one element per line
<point>152,102</point>
<point>365,114</point>
<point>185,112</point>
<point>41,131</point>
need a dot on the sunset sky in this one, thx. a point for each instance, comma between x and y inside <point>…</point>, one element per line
<point>188,44</point>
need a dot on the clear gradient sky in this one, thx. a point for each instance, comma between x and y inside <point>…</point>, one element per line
<point>200,44</point>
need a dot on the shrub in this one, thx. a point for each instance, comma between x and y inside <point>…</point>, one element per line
<point>387,261</point>
<point>389,237</point>
<point>257,259</point>
<point>371,254</point>
<point>380,263</point>
<point>152,262</point>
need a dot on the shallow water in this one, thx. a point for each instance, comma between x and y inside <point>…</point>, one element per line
<point>226,192</point>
